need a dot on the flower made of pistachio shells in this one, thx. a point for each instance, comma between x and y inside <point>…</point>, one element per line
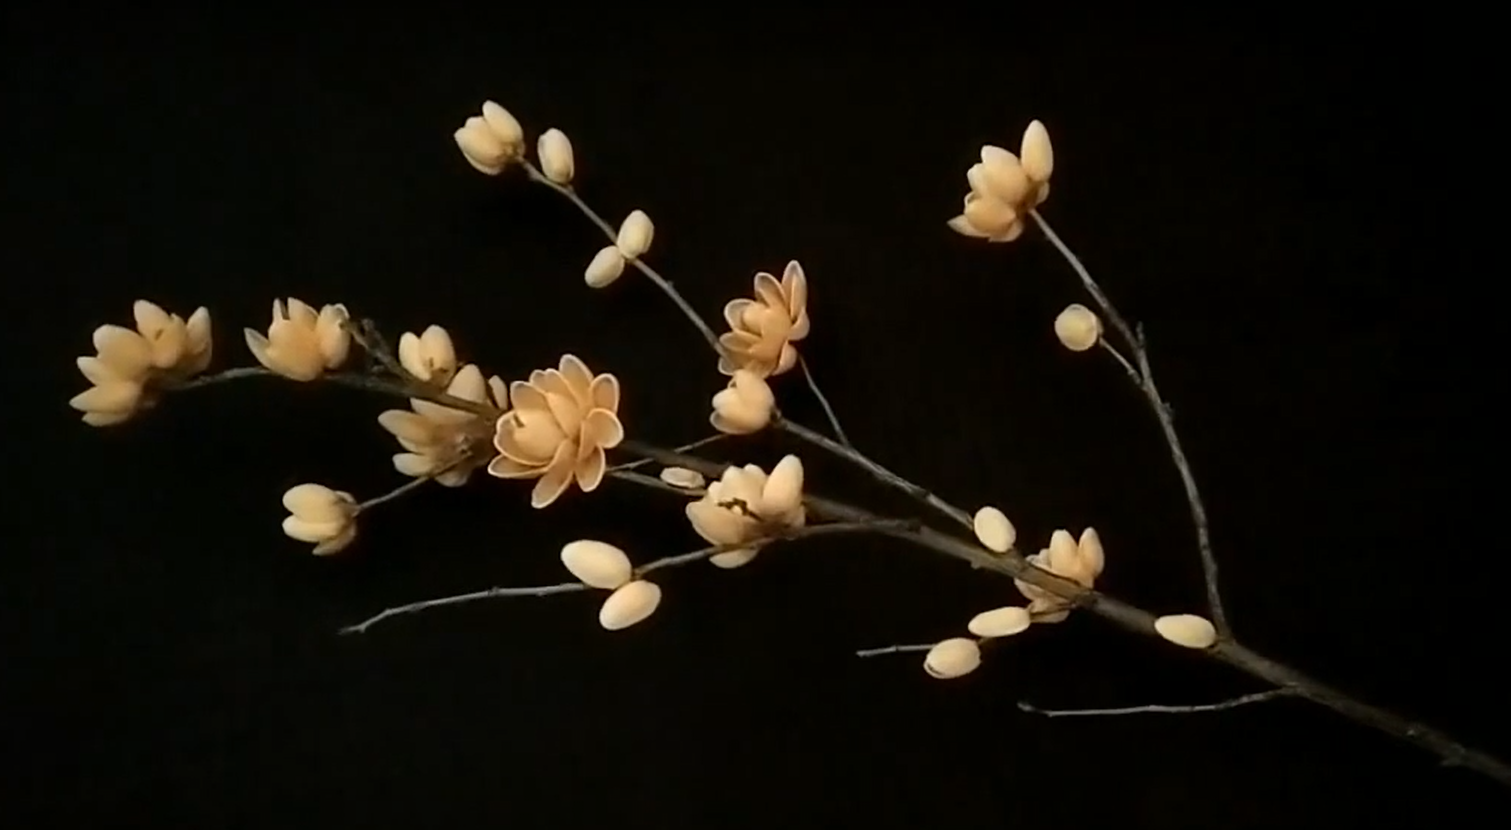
<point>128,365</point>
<point>745,406</point>
<point>492,140</point>
<point>762,330</point>
<point>301,343</point>
<point>561,422</point>
<point>430,356</point>
<point>1080,562</point>
<point>1004,188</point>
<point>318,514</point>
<point>443,442</point>
<point>746,504</point>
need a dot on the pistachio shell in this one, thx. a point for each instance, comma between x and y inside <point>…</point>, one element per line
<point>597,564</point>
<point>951,658</point>
<point>993,530</point>
<point>630,604</point>
<point>1001,622</point>
<point>1187,630</point>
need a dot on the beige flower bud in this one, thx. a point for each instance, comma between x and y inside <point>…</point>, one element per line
<point>320,515</point>
<point>430,356</point>
<point>745,406</point>
<point>491,141</point>
<point>1038,155</point>
<point>1001,622</point>
<point>630,604</point>
<point>607,266</point>
<point>597,564</point>
<point>955,657</point>
<point>683,478</point>
<point>556,159</point>
<point>1187,630</point>
<point>635,235</point>
<point>993,530</point>
<point>1078,327</point>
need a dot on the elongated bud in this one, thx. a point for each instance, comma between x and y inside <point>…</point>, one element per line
<point>607,266</point>
<point>635,235</point>
<point>556,159</point>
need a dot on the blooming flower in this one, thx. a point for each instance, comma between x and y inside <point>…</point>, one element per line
<point>321,515</point>
<point>301,344</point>
<point>443,442</point>
<point>129,366</point>
<point>429,356</point>
<point>1004,188</point>
<point>492,140</point>
<point>561,422</point>
<point>763,330</point>
<point>746,504</point>
<point>745,406</point>
<point>1080,562</point>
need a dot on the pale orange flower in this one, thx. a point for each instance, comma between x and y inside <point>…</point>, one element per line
<point>762,330</point>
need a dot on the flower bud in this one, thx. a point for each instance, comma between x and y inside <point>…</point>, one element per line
<point>993,530</point>
<point>630,604</point>
<point>556,159</point>
<point>1187,630</point>
<point>955,657</point>
<point>745,406</point>
<point>1001,622</point>
<point>635,235</point>
<point>607,266</point>
<point>597,564</point>
<point>1078,327</point>
<point>682,477</point>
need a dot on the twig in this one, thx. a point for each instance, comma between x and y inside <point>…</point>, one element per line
<point>654,482</point>
<point>1272,672</point>
<point>839,431</point>
<point>786,535</point>
<point>877,652</point>
<point>1144,379</point>
<point>613,234</point>
<point>402,489</point>
<point>1133,374</point>
<point>370,383</point>
<point>370,338</point>
<point>701,442</point>
<point>1158,708</point>
<point>876,470</point>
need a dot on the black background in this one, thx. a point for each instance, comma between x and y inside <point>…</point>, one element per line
<point>172,658</point>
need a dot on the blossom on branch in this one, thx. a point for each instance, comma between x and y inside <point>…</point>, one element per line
<point>492,140</point>
<point>1004,188</point>
<point>746,504</point>
<point>1080,562</point>
<point>745,406</point>
<point>129,366</point>
<point>301,343</point>
<point>762,330</point>
<point>561,423</point>
<point>556,158</point>
<point>443,442</point>
<point>321,515</point>
<point>430,356</point>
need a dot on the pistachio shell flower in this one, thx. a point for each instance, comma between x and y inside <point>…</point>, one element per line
<point>560,423</point>
<point>430,356</point>
<point>321,515</point>
<point>492,140</point>
<point>762,330</point>
<point>746,504</point>
<point>130,367</point>
<point>1004,188</point>
<point>744,407</point>
<point>1080,562</point>
<point>444,442</point>
<point>301,343</point>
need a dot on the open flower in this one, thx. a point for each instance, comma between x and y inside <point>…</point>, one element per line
<point>561,422</point>
<point>320,515</point>
<point>763,330</point>
<point>745,406</point>
<point>492,140</point>
<point>129,366</point>
<point>301,343</point>
<point>746,504</point>
<point>430,356</point>
<point>1080,562</point>
<point>1004,188</point>
<point>443,442</point>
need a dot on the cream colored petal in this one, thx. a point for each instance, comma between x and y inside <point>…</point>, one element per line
<point>126,352</point>
<point>443,415</point>
<point>1050,617</point>
<point>411,357</point>
<point>105,419</point>
<point>993,530</point>
<point>481,146</point>
<point>963,226</point>
<point>498,391</point>
<point>116,397</point>
<point>955,657</point>
<point>783,492</point>
<point>258,346</point>
<point>1003,175</point>
<point>635,234</point>
<point>795,289</point>
<point>1000,622</point>
<point>733,559</point>
<point>734,416</point>
<point>579,379</point>
<point>438,349</point>
<point>597,564</point>
<point>420,447</point>
<point>1011,233</point>
<point>605,392</point>
<point>976,178</point>
<point>728,365</point>
<point>335,339</point>
<point>629,605</point>
<point>279,312</point>
<point>302,313</point>
<point>410,464</point>
<point>150,317</point>
<point>469,384</point>
<point>338,543</point>
<point>531,437</point>
<point>556,478</point>
<point>768,292</point>
<point>787,360</point>
<point>502,467</point>
<point>552,382</point>
<point>991,216</point>
<point>716,524</point>
<point>1092,556</point>
<point>1187,630</point>
<point>316,503</point>
<point>1064,554</point>
<point>589,471</point>
<point>305,530</point>
<point>602,429</point>
<point>739,340</point>
<point>201,346</point>
<point>454,477</point>
<point>1038,154</point>
<point>165,334</point>
<point>800,327</point>
<point>97,371</point>
<point>536,377</point>
<point>565,410</point>
<point>408,425</point>
<point>294,352</point>
<point>604,268</point>
<point>734,312</point>
<point>526,396</point>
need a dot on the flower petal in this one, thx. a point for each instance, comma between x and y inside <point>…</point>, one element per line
<point>305,530</point>
<point>733,558</point>
<point>589,471</point>
<point>504,467</point>
<point>556,478</point>
<point>116,397</point>
<point>469,385</point>
<point>605,392</point>
<point>527,396</point>
<point>411,356</point>
<point>333,336</point>
<point>408,426</point>
<point>316,502</point>
<point>603,428</point>
<point>579,379</point>
<point>126,352</point>
<point>718,525</point>
<point>1038,153</point>
<point>795,289</point>
<point>769,292</point>
<point>412,464</point>
<point>97,371</point>
<point>734,312</point>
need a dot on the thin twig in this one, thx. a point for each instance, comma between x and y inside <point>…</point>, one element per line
<point>355,380</point>
<point>839,431</point>
<point>402,489</point>
<point>1158,708</point>
<point>458,599</point>
<point>613,234</point>
<point>654,483</point>
<point>876,470</point>
<point>1144,379</point>
<point>1133,374</point>
<point>641,462</point>
<point>877,652</point>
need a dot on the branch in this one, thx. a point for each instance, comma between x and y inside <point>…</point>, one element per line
<point>701,442</point>
<point>354,380</point>
<point>1144,379</point>
<point>877,652</point>
<point>1227,650</point>
<point>1157,708</point>
<point>839,431</point>
<point>793,534</point>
